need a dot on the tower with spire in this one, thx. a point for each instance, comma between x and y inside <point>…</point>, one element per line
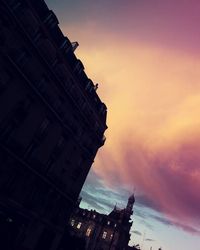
<point>104,231</point>
<point>130,203</point>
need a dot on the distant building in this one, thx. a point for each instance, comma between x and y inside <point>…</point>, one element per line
<point>52,124</point>
<point>101,231</point>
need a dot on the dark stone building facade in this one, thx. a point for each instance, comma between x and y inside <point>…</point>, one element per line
<point>52,124</point>
<point>101,231</point>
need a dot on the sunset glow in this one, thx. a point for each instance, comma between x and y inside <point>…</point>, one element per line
<point>145,55</point>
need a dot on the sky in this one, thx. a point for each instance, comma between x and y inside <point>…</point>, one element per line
<point>145,56</point>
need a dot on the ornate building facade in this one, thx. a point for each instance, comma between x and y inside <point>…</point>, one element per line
<point>101,231</point>
<point>52,124</point>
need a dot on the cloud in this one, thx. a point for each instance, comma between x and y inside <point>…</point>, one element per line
<point>153,135</point>
<point>156,146</point>
<point>90,202</point>
<point>145,54</point>
<point>169,180</point>
<point>160,23</point>
<point>149,239</point>
<point>137,232</point>
<point>145,201</point>
<point>96,195</point>
<point>140,213</point>
<point>169,222</point>
<point>187,228</point>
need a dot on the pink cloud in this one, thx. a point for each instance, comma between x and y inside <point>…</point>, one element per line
<point>150,84</point>
<point>170,24</point>
<point>153,124</point>
<point>169,179</point>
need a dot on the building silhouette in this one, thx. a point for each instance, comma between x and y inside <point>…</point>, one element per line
<point>52,124</point>
<point>101,231</point>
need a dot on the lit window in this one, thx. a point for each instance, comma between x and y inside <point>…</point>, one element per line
<point>88,232</point>
<point>104,235</point>
<point>79,225</point>
<point>72,222</point>
<point>111,236</point>
<point>115,225</point>
<point>108,223</point>
<point>94,216</point>
<point>9,220</point>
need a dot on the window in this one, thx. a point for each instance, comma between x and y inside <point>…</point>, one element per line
<point>29,21</point>
<point>94,216</point>
<point>21,56</point>
<point>61,142</point>
<point>13,120</point>
<point>9,220</point>
<point>4,79</point>
<point>59,147</point>
<point>44,125</point>
<point>108,222</point>
<point>115,225</point>
<point>50,163</point>
<point>31,149</point>
<point>104,235</point>
<point>41,132</point>
<point>27,102</point>
<point>42,84</point>
<point>2,36</point>
<point>88,232</point>
<point>72,222</point>
<point>57,104</point>
<point>79,225</point>
<point>111,236</point>
<point>6,129</point>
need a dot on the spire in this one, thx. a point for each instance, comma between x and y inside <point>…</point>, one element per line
<point>129,206</point>
<point>132,198</point>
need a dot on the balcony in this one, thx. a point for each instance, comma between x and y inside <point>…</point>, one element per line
<point>78,67</point>
<point>66,45</point>
<point>51,19</point>
<point>71,58</point>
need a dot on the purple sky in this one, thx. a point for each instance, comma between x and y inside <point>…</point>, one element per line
<point>145,56</point>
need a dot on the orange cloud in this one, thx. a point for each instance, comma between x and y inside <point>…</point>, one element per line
<point>153,103</point>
